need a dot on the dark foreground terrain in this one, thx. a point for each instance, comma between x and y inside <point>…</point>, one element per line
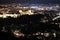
<point>29,24</point>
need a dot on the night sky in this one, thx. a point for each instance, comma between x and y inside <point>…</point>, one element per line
<point>31,1</point>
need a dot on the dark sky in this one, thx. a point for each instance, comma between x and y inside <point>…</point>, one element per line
<point>30,1</point>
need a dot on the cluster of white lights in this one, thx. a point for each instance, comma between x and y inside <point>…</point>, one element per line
<point>45,34</point>
<point>7,15</point>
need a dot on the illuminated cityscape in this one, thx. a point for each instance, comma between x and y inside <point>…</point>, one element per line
<point>29,21</point>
